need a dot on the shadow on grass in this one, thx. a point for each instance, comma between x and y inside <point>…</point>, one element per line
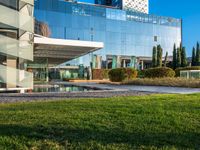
<point>113,136</point>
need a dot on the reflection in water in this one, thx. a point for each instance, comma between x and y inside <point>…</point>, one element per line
<point>62,88</point>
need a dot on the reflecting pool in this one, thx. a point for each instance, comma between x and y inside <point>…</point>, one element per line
<point>62,88</point>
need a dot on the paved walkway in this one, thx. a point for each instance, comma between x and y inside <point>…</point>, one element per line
<point>107,90</point>
<point>154,89</point>
<point>9,98</point>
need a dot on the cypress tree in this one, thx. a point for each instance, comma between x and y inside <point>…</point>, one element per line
<point>193,57</point>
<point>159,56</point>
<point>165,64</point>
<point>174,57</point>
<point>181,47</point>
<point>197,55</point>
<point>178,57</point>
<point>154,57</point>
<point>183,57</point>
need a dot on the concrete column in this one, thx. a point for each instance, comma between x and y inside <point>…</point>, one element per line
<point>142,65</point>
<point>118,62</point>
<point>47,71</point>
<point>99,61</point>
<point>133,63</point>
<point>124,63</point>
<point>114,62</point>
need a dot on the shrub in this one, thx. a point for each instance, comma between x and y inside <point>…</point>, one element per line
<point>159,72</point>
<point>141,74</point>
<point>100,74</point>
<point>117,75</point>
<point>171,82</point>
<point>121,74</point>
<point>178,70</point>
<point>130,73</point>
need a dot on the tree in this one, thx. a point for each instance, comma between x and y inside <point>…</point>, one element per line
<point>193,56</point>
<point>178,57</point>
<point>183,57</point>
<point>181,47</point>
<point>159,56</point>
<point>174,57</point>
<point>44,29</point>
<point>197,55</point>
<point>166,55</point>
<point>154,57</point>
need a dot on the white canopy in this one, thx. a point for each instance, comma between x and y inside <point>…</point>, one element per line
<point>60,50</point>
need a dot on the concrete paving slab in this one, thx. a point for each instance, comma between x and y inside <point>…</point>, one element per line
<point>157,89</point>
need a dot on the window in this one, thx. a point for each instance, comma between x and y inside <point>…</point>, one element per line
<point>155,38</point>
<point>10,3</point>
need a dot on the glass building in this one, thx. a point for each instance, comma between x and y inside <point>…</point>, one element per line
<point>126,34</point>
<point>106,34</point>
<point>133,5</point>
<point>16,44</point>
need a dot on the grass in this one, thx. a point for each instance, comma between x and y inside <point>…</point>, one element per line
<point>142,122</point>
<point>172,82</point>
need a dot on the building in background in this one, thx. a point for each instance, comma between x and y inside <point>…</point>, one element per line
<point>136,5</point>
<point>16,44</point>
<point>128,35</point>
<point>80,36</point>
<point>132,5</point>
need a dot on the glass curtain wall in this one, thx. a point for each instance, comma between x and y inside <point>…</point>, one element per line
<point>122,32</point>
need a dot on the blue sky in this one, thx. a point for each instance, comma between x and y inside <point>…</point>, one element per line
<point>188,10</point>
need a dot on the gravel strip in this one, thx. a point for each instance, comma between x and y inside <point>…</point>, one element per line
<point>27,97</point>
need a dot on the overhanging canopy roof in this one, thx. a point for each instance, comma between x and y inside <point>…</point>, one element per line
<point>59,51</point>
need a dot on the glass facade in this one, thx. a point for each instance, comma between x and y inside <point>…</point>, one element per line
<point>112,3</point>
<point>124,33</point>
<point>16,44</point>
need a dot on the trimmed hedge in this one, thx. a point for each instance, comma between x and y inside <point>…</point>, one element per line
<point>159,72</point>
<point>121,74</point>
<point>178,70</point>
<point>100,74</point>
<point>171,82</point>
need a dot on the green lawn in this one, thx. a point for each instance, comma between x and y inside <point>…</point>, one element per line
<point>143,122</point>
